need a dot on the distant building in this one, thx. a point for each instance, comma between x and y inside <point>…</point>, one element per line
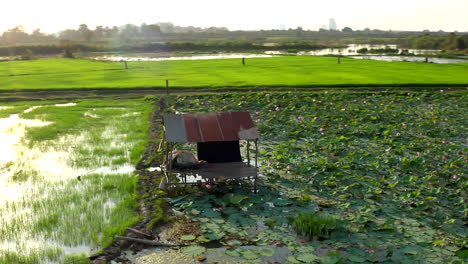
<point>332,24</point>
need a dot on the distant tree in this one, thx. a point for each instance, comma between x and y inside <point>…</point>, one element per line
<point>299,32</point>
<point>99,33</point>
<point>15,35</point>
<point>69,34</point>
<point>27,55</point>
<point>68,48</point>
<point>451,42</point>
<point>150,31</point>
<point>166,27</point>
<point>347,30</point>
<point>129,32</point>
<point>38,37</point>
<point>85,33</point>
<point>217,30</point>
<point>461,43</point>
<point>114,31</point>
<point>37,33</point>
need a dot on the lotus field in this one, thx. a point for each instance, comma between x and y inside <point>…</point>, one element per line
<point>347,178</point>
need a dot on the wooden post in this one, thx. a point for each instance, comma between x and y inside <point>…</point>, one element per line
<point>243,61</point>
<point>256,153</point>
<point>145,241</point>
<point>339,59</point>
<point>426,60</point>
<point>248,152</point>
<point>256,165</point>
<point>167,86</point>
<point>169,163</point>
<point>126,66</point>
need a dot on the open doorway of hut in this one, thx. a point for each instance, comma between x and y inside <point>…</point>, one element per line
<point>219,151</point>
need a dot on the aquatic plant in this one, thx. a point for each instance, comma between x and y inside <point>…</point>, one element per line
<point>382,161</point>
<point>315,225</point>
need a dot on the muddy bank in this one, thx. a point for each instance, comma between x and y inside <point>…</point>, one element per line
<point>129,93</point>
<point>152,206</point>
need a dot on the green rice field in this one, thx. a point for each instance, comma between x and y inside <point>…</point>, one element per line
<point>294,71</point>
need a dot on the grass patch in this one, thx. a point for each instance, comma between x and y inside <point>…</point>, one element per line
<point>76,259</point>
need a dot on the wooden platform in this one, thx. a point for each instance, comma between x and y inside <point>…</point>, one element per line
<point>226,171</point>
<point>222,171</point>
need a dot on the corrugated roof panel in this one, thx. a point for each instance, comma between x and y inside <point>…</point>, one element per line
<point>175,128</point>
<point>228,128</point>
<point>243,120</point>
<point>193,128</point>
<point>210,127</point>
<point>225,126</point>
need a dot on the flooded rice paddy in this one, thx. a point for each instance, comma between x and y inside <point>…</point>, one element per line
<point>156,57</point>
<point>351,50</point>
<point>409,58</point>
<point>62,184</point>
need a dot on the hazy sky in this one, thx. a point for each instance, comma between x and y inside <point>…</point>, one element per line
<point>54,15</point>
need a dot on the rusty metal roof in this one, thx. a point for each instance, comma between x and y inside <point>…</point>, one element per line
<point>223,126</point>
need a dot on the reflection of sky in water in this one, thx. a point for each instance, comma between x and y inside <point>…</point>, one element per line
<point>50,164</point>
<point>195,57</point>
<point>409,58</point>
<point>12,130</point>
<point>192,178</point>
<point>350,50</point>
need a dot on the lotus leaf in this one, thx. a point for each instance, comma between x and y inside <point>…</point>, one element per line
<point>193,251</point>
<point>188,237</point>
<point>308,258</point>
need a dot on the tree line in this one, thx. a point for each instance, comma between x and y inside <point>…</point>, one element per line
<point>169,37</point>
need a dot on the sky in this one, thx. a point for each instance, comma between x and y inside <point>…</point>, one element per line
<point>52,16</point>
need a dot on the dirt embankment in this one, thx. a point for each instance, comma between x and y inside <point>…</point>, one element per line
<point>152,206</point>
<point>108,93</point>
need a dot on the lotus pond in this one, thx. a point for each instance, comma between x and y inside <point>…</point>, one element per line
<point>67,180</point>
<point>381,177</point>
<point>377,177</point>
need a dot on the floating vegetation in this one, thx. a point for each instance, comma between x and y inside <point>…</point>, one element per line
<point>383,162</point>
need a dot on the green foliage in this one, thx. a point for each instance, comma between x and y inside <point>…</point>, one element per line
<point>386,50</point>
<point>188,237</point>
<point>76,259</point>
<point>193,251</point>
<point>27,55</point>
<point>49,253</point>
<point>316,225</point>
<point>157,215</point>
